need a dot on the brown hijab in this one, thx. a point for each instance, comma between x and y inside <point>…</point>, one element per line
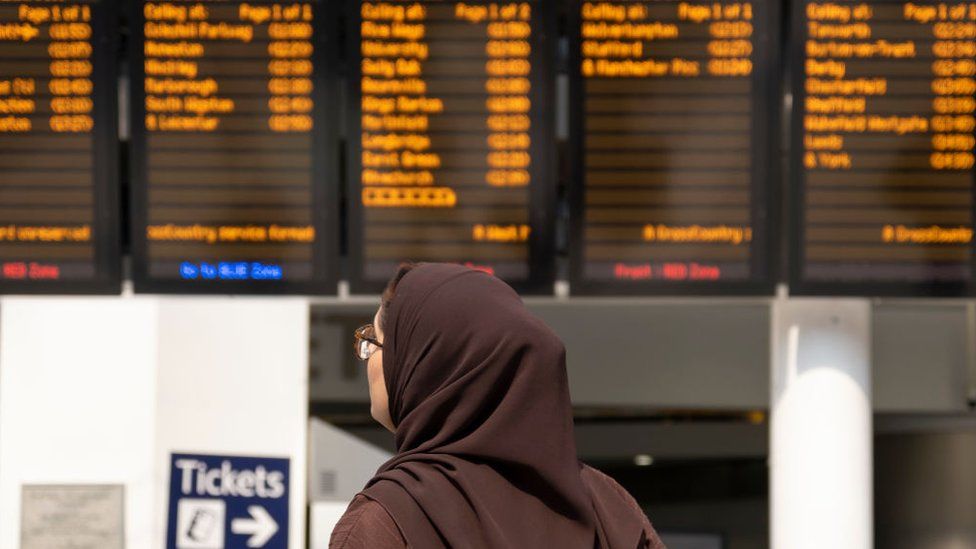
<point>485,450</point>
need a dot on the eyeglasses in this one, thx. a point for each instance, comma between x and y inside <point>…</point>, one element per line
<point>366,342</point>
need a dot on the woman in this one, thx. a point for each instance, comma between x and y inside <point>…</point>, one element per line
<point>474,389</point>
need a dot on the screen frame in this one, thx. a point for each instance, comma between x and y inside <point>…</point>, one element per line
<point>542,189</point>
<point>106,212</point>
<point>764,192</point>
<point>798,285</point>
<point>325,171</point>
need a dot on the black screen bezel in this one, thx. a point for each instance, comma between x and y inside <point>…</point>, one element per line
<point>542,249</point>
<point>798,284</point>
<point>766,178</point>
<point>325,180</point>
<point>105,177</point>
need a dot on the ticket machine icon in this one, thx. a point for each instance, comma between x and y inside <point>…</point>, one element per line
<point>200,524</point>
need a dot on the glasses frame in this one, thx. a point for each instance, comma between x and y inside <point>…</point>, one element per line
<point>361,335</point>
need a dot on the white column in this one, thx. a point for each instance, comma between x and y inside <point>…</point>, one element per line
<point>820,452</point>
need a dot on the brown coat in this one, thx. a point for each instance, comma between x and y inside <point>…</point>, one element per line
<point>366,525</point>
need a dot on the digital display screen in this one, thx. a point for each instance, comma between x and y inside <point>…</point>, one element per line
<point>672,109</point>
<point>59,218</point>
<point>233,151</point>
<point>883,147</point>
<point>451,154</point>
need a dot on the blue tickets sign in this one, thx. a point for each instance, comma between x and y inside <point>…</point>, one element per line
<point>227,502</point>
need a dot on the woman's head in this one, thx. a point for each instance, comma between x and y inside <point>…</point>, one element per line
<point>459,345</point>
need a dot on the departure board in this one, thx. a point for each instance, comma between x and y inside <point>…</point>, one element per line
<point>233,151</point>
<point>673,105</point>
<point>59,218</point>
<point>450,144</point>
<point>883,147</point>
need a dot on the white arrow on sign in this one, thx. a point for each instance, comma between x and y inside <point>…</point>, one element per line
<point>260,526</point>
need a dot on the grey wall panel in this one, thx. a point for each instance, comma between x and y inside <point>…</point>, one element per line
<point>920,358</point>
<point>336,375</point>
<point>701,354</point>
<point>705,354</point>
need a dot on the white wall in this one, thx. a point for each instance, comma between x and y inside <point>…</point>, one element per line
<point>77,392</point>
<point>102,390</point>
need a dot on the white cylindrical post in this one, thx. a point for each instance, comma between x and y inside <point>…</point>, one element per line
<point>820,453</point>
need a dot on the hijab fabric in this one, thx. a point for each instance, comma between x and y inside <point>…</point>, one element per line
<point>479,395</point>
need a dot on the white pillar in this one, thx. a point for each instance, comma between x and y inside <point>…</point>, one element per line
<point>820,452</point>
